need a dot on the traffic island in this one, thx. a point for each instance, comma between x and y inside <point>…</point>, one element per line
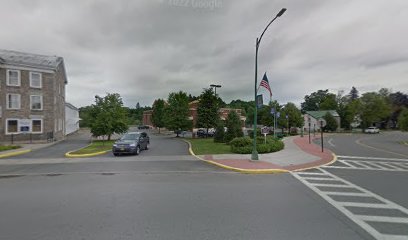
<point>298,155</point>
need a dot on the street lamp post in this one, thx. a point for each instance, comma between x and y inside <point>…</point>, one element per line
<point>215,86</point>
<point>258,41</point>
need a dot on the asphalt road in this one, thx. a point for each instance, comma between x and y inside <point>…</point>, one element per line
<point>385,144</point>
<point>167,205</point>
<point>166,194</point>
<point>379,164</point>
<point>72,142</point>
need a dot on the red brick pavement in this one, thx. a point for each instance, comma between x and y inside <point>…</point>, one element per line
<point>302,143</point>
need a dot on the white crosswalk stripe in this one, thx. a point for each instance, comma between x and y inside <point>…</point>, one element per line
<point>370,163</point>
<point>358,204</point>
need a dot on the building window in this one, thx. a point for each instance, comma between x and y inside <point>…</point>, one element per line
<point>11,126</point>
<point>13,78</point>
<point>36,102</point>
<point>35,80</point>
<point>13,101</point>
<point>36,126</point>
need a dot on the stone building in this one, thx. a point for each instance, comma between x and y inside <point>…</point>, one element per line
<point>32,97</point>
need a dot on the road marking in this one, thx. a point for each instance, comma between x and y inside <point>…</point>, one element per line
<point>384,219</point>
<point>373,158</point>
<point>369,163</point>
<point>331,142</point>
<point>362,220</point>
<point>358,141</point>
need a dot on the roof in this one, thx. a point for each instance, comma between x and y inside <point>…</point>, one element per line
<point>69,105</point>
<point>320,114</point>
<point>29,60</point>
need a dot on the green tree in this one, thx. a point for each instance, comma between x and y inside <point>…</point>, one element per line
<point>320,100</point>
<point>265,116</point>
<point>329,102</point>
<point>207,110</point>
<point>399,101</point>
<point>295,117</point>
<point>351,113</point>
<point>248,108</point>
<point>177,112</point>
<point>353,95</point>
<point>108,116</point>
<point>219,132</point>
<point>403,120</point>
<point>159,114</point>
<point>85,116</point>
<point>331,124</point>
<point>374,108</point>
<point>233,124</point>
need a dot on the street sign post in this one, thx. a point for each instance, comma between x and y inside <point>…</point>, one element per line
<point>265,131</point>
<point>322,125</point>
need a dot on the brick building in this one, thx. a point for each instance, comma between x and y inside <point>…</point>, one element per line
<point>32,97</point>
<point>223,113</point>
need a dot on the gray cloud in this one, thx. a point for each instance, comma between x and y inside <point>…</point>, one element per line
<point>147,48</point>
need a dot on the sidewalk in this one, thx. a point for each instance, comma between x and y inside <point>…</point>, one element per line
<point>25,148</point>
<point>297,155</point>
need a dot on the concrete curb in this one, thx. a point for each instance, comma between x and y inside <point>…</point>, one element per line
<point>246,171</point>
<point>321,165</point>
<point>71,155</point>
<point>15,153</point>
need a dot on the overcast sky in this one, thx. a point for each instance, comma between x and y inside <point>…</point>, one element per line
<point>145,49</point>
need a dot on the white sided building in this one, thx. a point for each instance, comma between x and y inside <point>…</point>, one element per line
<point>71,118</point>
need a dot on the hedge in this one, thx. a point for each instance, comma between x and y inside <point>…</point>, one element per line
<point>243,145</point>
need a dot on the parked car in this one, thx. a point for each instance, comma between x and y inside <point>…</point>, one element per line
<point>143,127</point>
<point>203,133</point>
<point>372,130</point>
<point>131,143</point>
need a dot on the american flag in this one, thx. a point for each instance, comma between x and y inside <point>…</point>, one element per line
<point>265,83</point>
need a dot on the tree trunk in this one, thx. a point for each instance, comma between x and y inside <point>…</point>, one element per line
<point>109,137</point>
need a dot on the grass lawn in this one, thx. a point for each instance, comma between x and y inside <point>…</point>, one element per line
<point>202,146</point>
<point>96,146</point>
<point>7,147</point>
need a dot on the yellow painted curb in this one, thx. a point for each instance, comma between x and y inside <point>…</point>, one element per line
<point>70,155</point>
<point>11,154</point>
<point>246,171</point>
<point>325,164</point>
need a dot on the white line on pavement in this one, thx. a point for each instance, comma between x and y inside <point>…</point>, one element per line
<point>356,191</point>
<point>331,142</point>
<point>372,158</point>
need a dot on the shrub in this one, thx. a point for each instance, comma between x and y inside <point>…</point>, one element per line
<point>251,133</point>
<point>263,148</point>
<point>276,146</point>
<point>243,145</point>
